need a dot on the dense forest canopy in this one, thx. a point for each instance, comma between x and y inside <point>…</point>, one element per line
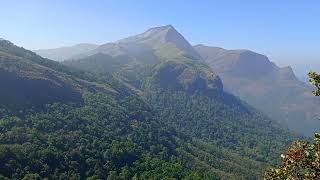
<point>167,118</point>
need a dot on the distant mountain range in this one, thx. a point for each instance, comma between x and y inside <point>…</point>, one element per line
<point>249,75</point>
<point>273,90</point>
<point>132,58</point>
<point>64,53</point>
<point>146,107</point>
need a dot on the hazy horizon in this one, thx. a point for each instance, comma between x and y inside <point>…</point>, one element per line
<point>286,31</point>
<point>169,89</point>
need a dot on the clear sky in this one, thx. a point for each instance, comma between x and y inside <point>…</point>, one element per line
<point>288,31</point>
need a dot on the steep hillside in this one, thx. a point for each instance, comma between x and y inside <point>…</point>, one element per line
<point>161,118</point>
<point>162,74</point>
<point>133,57</point>
<point>179,128</point>
<point>112,133</point>
<point>164,38</point>
<point>31,81</point>
<point>275,91</point>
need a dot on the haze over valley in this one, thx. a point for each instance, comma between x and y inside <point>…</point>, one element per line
<point>110,90</point>
<point>252,77</point>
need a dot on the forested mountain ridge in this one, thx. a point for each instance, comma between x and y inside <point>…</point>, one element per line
<point>31,81</point>
<point>273,90</point>
<point>136,57</point>
<point>172,74</point>
<point>167,118</point>
<point>154,38</point>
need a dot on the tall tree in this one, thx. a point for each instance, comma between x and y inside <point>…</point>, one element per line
<point>315,80</point>
<point>302,159</point>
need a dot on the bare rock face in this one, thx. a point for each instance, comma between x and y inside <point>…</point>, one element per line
<point>181,77</point>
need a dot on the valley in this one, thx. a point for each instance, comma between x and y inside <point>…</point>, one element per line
<point>146,107</point>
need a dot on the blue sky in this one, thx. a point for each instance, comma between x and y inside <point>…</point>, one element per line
<point>288,31</point>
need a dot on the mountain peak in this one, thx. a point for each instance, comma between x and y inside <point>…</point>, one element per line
<point>155,35</point>
<point>159,37</point>
<point>164,41</point>
<point>164,33</point>
<point>162,28</point>
<point>286,73</point>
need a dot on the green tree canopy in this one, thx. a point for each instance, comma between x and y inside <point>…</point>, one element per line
<point>302,159</point>
<point>315,80</point>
